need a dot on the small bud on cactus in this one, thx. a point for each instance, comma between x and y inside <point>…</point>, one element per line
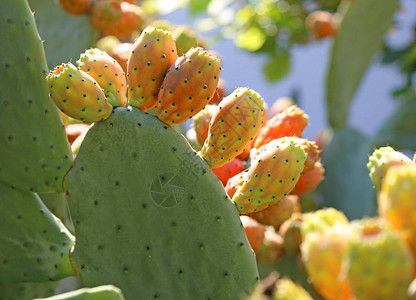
<point>77,94</point>
<point>322,24</point>
<point>254,231</point>
<point>271,177</point>
<point>150,58</point>
<point>290,122</point>
<point>309,180</point>
<point>381,160</point>
<point>379,264</point>
<point>108,74</point>
<point>188,86</point>
<point>76,7</point>
<point>201,122</point>
<point>115,17</point>
<point>233,126</point>
<point>229,170</point>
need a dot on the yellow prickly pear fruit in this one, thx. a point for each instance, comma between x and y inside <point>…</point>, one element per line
<point>271,177</point>
<point>201,122</point>
<point>233,126</point>
<point>381,160</point>
<point>77,94</point>
<point>320,220</point>
<point>397,202</point>
<point>108,74</point>
<point>188,86</point>
<point>379,264</point>
<point>150,58</point>
<point>323,254</point>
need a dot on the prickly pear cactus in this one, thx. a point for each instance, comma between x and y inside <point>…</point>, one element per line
<point>35,154</point>
<point>26,290</point>
<point>105,292</point>
<point>151,218</point>
<point>34,243</point>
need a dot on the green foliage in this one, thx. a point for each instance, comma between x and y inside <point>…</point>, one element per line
<point>359,37</point>
<point>277,66</point>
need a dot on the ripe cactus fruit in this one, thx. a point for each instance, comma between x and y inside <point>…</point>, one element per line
<point>309,180</point>
<point>280,105</point>
<point>381,160</point>
<point>104,292</point>
<point>234,183</point>
<point>150,58</point>
<point>120,53</point>
<point>117,18</point>
<point>290,122</point>
<point>320,220</point>
<point>77,94</point>
<point>322,24</point>
<point>76,7</point>
<point>108,74</point>
<point>279,212</point>
<point>219,93</point>
<point>379,264</point>
<point>323,255</point>
<point>188,86</point>
<point>200,122</point>
<point>272,248</point>
<point>271,177</point>
<point>229,170</point>
<point>397,202</point>
<point>233,126</point>
<point>254,231</point>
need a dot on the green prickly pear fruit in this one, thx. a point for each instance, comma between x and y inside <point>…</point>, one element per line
<point>379,264</point>
<point>381,160</point>
<point>150,58</point>
<point>108,74</point>
<point>323,255</point>
<point>186,38</point>
<point>397,202</point>
<point>233,126</point>
<point>104,292</point>
<point>188,86</point>
<point>290,231</point>
<point>201,122</point>
<point>273,176</point>
<point>77,94</point>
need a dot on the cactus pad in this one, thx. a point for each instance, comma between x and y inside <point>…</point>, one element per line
<point>105,292</point>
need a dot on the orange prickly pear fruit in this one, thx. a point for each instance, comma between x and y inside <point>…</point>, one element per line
<point>200,122</point>
<point>322,24</point>
<point>323,254</point>
<point>379,265</point>
<point>76,7</point>
<point>309,180</point>
<point>383,159</point>
<point>219,93</point>
<point>233,126</point>
<point>280,105</point>
<point>229,170</point>
<point>234,183</point>
<point>77,94</point>
<point>272,248</point>
<point>271,177</point>
<point>75,130</point>
<point>120,53</point>
<point>188,86</point>
<point>254,232</point>
<point>397,202</point>
<point>150,58</point>
<point>108,74</point>
<point>117,18</point>
<point>279,212</point>
<point>290,122</point>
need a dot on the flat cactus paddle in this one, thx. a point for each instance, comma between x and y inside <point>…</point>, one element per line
<point>151,218</point>
<point>105,292</point>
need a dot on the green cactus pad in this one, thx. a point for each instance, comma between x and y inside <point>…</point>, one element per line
<point>34,243</point>
<point>106,292</point>
<point>35,154</point>
<point>26,290</point>
<point>151,218</point>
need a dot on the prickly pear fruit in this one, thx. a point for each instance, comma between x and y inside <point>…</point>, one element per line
<point>271,177</point>
<point>379,264</point>
<point>201,122</point>
<point>320,220</point>
<point>188,86</point>
<point>75,130</point>
<point>309,180</point>
<point>234,183</point>
<point>381,160</point>
<point>104,292</point>
<point>290,231</point>
<point>121,54</point>
<point>272,248</point>
<point>186,38</point>
<point>150,58</point>
<point>77,94</point>
<point>323,255</point>
<point>290,122</point>
<point>114,17</point>
<point>229,170</point>
<point>321,24</point>
<point>279,212</point>
<point>254,231</point>
<point>108,74</point>
<point>233,126</point>
<point>397,202</point>
<point>76,7</point>
<point>219,93</point>
<point>280,105</point>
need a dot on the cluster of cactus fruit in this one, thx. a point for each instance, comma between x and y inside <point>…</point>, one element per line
<point>151,217</point>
